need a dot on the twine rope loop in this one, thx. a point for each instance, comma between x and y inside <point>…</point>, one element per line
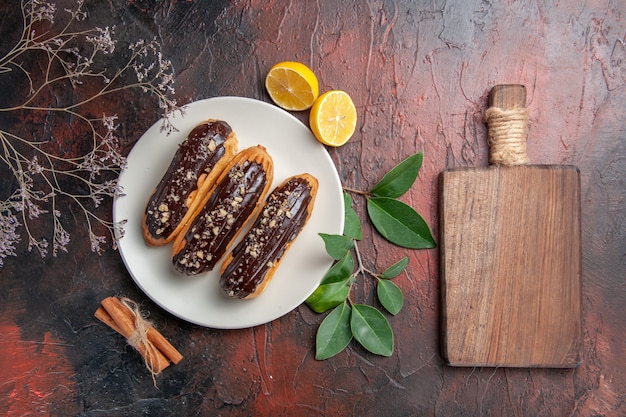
<point>508,130</point>
<point>140,335</point>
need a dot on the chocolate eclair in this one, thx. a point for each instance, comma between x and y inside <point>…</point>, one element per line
<point>198,161</point>
<point>248,269</point>
<point>232,202</point>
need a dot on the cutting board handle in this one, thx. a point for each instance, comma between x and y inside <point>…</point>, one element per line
<point>507,122</point>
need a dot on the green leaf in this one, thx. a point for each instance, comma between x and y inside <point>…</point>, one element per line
<point>399,223</point>
<point>337,245</point>
<point>398,181</point>
<point>395,269</point>
<point>390,296</point>
<point>371,329</point>
<point>352,224</point>
<point>340,271</point>
<point>327,296</point>
<point>334,287</point>
<point>334,333</point>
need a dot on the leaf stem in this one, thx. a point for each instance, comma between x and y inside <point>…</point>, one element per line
<point>353,191</point>
<point>359,260</point>
<point>361,266</point>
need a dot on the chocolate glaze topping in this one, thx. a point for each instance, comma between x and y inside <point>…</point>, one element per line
<point>280,221</point>
<point>232,202</point>
<point>197,154</point>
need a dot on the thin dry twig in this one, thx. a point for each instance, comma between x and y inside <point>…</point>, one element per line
<point>69,57</point>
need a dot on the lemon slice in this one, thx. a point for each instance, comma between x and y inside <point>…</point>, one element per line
<point>292,85</point>
<point>333,118</point>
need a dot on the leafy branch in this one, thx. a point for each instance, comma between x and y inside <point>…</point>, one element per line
<point>399,224</point>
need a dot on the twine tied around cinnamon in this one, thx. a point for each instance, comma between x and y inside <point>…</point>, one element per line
<point>508,129</point>
<point>139,336</point>
<point>124,316</point>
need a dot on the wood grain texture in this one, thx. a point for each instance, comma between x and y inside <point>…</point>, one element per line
<point>511,266</point>
<point>511,252</point>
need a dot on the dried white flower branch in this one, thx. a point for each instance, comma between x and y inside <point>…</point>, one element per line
<point>69,58</point>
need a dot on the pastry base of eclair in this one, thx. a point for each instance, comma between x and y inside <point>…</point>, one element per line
<point>229,206</point>
<point>199,160</point>
<point>250,266</point>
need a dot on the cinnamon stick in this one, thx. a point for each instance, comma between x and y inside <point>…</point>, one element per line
<point>155,349</point>
<point>153,335</point>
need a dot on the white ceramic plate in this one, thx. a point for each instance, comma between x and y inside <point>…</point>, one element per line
<point>199,299</point>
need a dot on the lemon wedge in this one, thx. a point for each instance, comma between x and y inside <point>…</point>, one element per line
<point>333,118</point>
<point>292,85</point>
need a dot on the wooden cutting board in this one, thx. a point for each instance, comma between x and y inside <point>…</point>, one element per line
<point>511,254</point>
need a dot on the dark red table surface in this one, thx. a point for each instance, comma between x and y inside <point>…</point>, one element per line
<point>419,73</point>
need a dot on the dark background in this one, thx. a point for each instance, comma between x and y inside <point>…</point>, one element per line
<point>419,73</point>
